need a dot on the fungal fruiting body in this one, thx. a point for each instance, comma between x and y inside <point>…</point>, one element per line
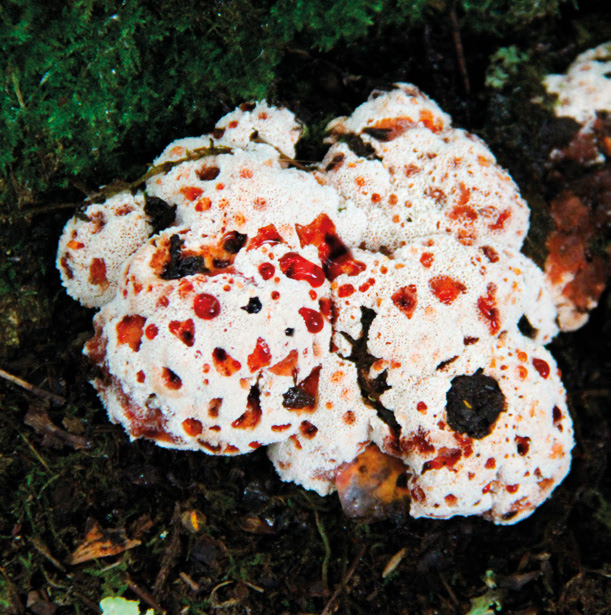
<point>576,268</point>
<point>370,308</point>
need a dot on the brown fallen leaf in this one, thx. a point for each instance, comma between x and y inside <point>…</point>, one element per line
<point>53,436</point>
<point>101,543</point>
<point>373,485</point>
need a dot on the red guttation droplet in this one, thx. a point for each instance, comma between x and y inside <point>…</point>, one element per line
<point>260,356</point>
<point>313,320</point>
<point>446,289</point>
<point>129,331</point>
<point>488,309</point>
<point>405,299</point>
<point>266,270</point>
<point>542,367</point>
<point>151,332</point>
<point>345,290</point>
<point>250,419</point>
<point>296,267</point>
<point>266,234</point>
<point>184,331</point>
<point>448,457</point>
<point>206,306</point>
<point>333,253</point>
<point>427,259</point>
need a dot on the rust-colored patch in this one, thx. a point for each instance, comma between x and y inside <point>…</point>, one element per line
<point>333,253</point>
<point>223,363</point>
<point>287,366</point>
<point>129,331</point>
<point>260,357</point>
<point>97,273</point>
<point>183,330</point>
<point>446,289</point>
<point>405,299</point>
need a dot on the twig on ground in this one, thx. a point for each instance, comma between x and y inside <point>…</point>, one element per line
<point>58,399</point>
<point>345,581</point>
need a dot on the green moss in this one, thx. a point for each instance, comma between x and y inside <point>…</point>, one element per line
<point>91,89</point>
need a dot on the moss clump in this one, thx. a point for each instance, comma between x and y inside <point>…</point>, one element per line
<point>90,88</point>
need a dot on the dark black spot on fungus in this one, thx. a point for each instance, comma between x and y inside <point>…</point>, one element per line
<point>401,481</point>
<point>526,329</point>
<point>180,266</point>
<point>247,106</point>
<point>371,388</point>
<point>217,133</point>
<point>296,399</point>
<point>444,364</point>
<point>220,263</point>
<point>359,147</point>
<point>290,331</point>
<point>474,404</point>
<point>254,306</point>
<point>380,134</point>
<point>161,214</point>
<point>233,242</point>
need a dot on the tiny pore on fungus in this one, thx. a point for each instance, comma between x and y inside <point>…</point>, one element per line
<point>365,319</point>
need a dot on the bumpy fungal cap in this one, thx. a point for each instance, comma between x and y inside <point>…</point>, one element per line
<point>435,298</point>
<point>335,432</point>
<point>96,243</point>
<point>206,350</point>
<point>260,122</point>
<point>398,160</point>
<point>586,86</point>
<point>366,303</point>
<point>488,435</point>
<point>243,191</point>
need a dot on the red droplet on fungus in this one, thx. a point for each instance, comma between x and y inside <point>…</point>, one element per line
<point>206,306</point>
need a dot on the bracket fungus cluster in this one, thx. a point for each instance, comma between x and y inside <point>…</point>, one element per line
<point>362,317</point>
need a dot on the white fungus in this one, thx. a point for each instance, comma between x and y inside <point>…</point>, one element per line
<point>322,313</point>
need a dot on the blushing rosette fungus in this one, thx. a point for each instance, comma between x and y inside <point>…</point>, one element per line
<point>364,314</point>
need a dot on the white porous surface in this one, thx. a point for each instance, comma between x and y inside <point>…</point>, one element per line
<point>96,243</point>
<point>259,121</point>
<point>505,474</point>
<point>398,159</point>
<point>586,86</point>
<point>320,312</point>
<point>204,360</point>
<point>243,191</point>
<point>435,298</point>
<point>335,432</point>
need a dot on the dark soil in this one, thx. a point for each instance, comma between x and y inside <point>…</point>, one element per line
<point>225,534</point>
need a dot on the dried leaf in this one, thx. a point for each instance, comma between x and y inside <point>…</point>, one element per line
<point>101,543</point>
<point>373,485</point>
